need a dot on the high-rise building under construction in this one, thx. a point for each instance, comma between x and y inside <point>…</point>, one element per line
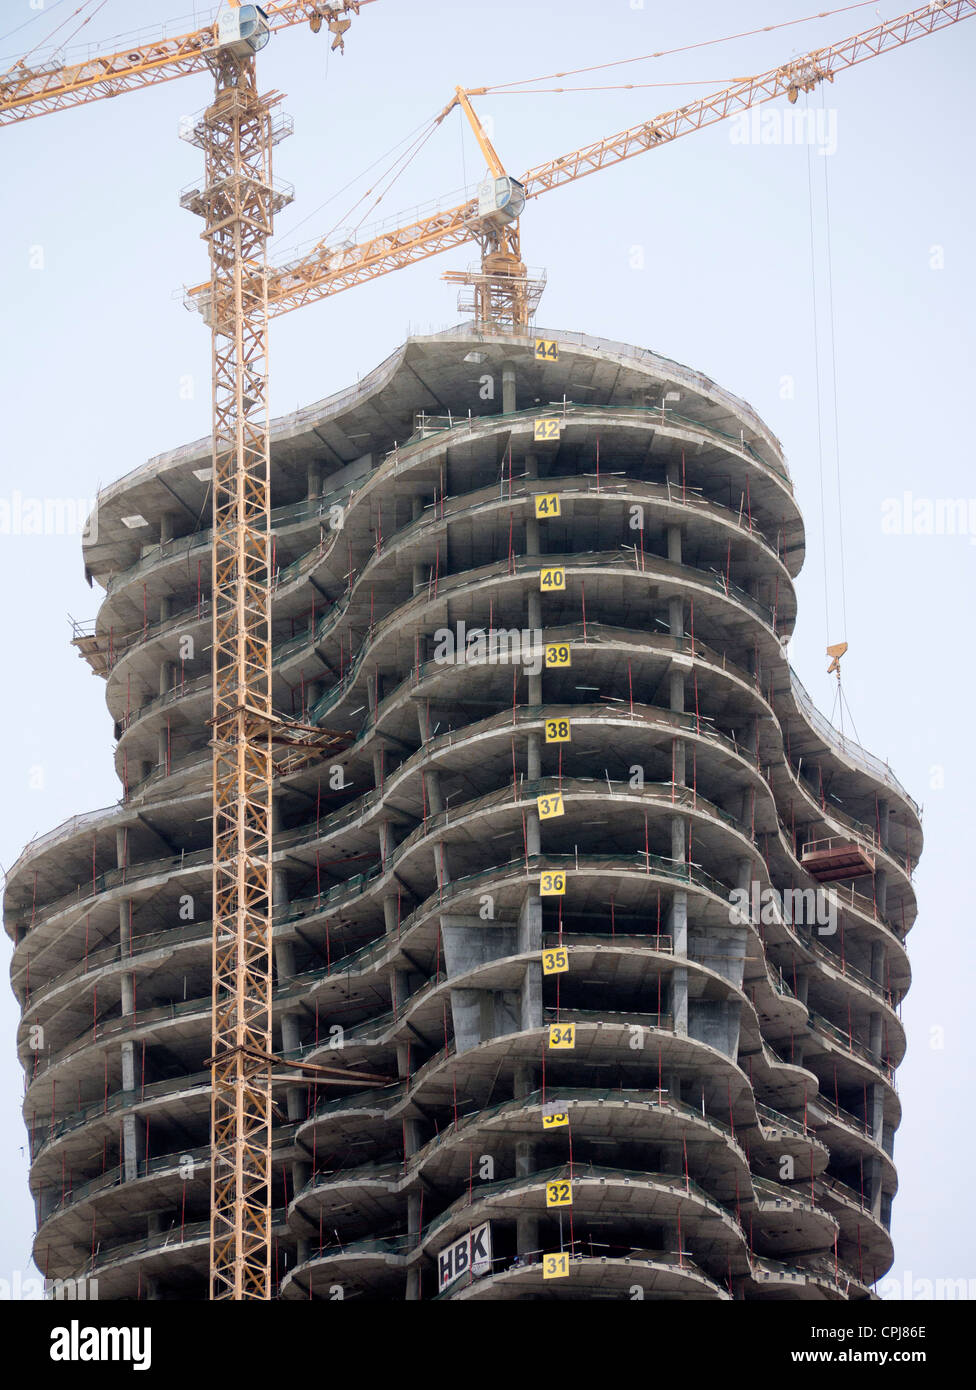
<point>604,920</point>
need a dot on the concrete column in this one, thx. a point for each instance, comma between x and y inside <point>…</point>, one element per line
<point>878,958</point>
<point>401,989</point>
<point>526,1227</point>
<point>876,1042</point>
<point>133,1130</point>
<point>533,769</point>
<point>677,694</point>
<point>534,624</point>
<point>435,799</point>
<point>872,1182</point>
<point>678,839</point>
<point>284,957</point>
<point>419,571</point>
<point>526,1163</point>
<point>881,891</point>
<point>384,836</point>
<point>374,692</point>
<point>442,867</point>
<point>533,834</point>
<point>313,480</point>
<point>674,544</point>
<point>290,1039</point>
<point>280,896</point>
<point>166,527</point>
<point>524,1081</point>
<point>413,1227</point>
<point>678,930</point>
<point>884,811</point>
<point>875,1115</point>
<point>530,939</point>
<point>314,690</point>
<point>508,388</point>
<point>133,1134</point>
<point>162,748</point>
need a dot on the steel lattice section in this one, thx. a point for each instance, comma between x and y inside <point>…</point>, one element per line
<point>238,203</point>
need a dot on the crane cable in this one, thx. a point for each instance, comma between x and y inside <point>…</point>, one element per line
<point>817,378</point>
<point>412,136</point>
<point>38,14</point>
<point>21,62</point>
<point>840,704</point>
<point>685,48</point>
<point>833,372</point>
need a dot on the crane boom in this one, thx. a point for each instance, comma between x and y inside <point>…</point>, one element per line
<point>27,92</point>
<point>327,270</point>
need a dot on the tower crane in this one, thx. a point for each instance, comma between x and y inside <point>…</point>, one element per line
<point>503,291</point>
<point>238,202</point>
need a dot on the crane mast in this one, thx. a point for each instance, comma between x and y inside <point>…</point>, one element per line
<point>499,293</point>
<point>238,203</point>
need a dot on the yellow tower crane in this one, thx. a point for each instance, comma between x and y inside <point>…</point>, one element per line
<point>492,218</point>
<point>238,202</point>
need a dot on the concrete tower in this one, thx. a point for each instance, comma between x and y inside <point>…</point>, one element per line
<point>614,908</point>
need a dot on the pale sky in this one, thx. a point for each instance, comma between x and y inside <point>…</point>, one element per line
<point>700,250</point>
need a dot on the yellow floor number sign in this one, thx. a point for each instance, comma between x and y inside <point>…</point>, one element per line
<point>556,961</point>
<point>555,1266</point>
<point>552,884</point>
<point>562,1035</point>
<point>559,1194</point>
<point>554,1118</point>
<point>552,579</point>
<point>550,806</point>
